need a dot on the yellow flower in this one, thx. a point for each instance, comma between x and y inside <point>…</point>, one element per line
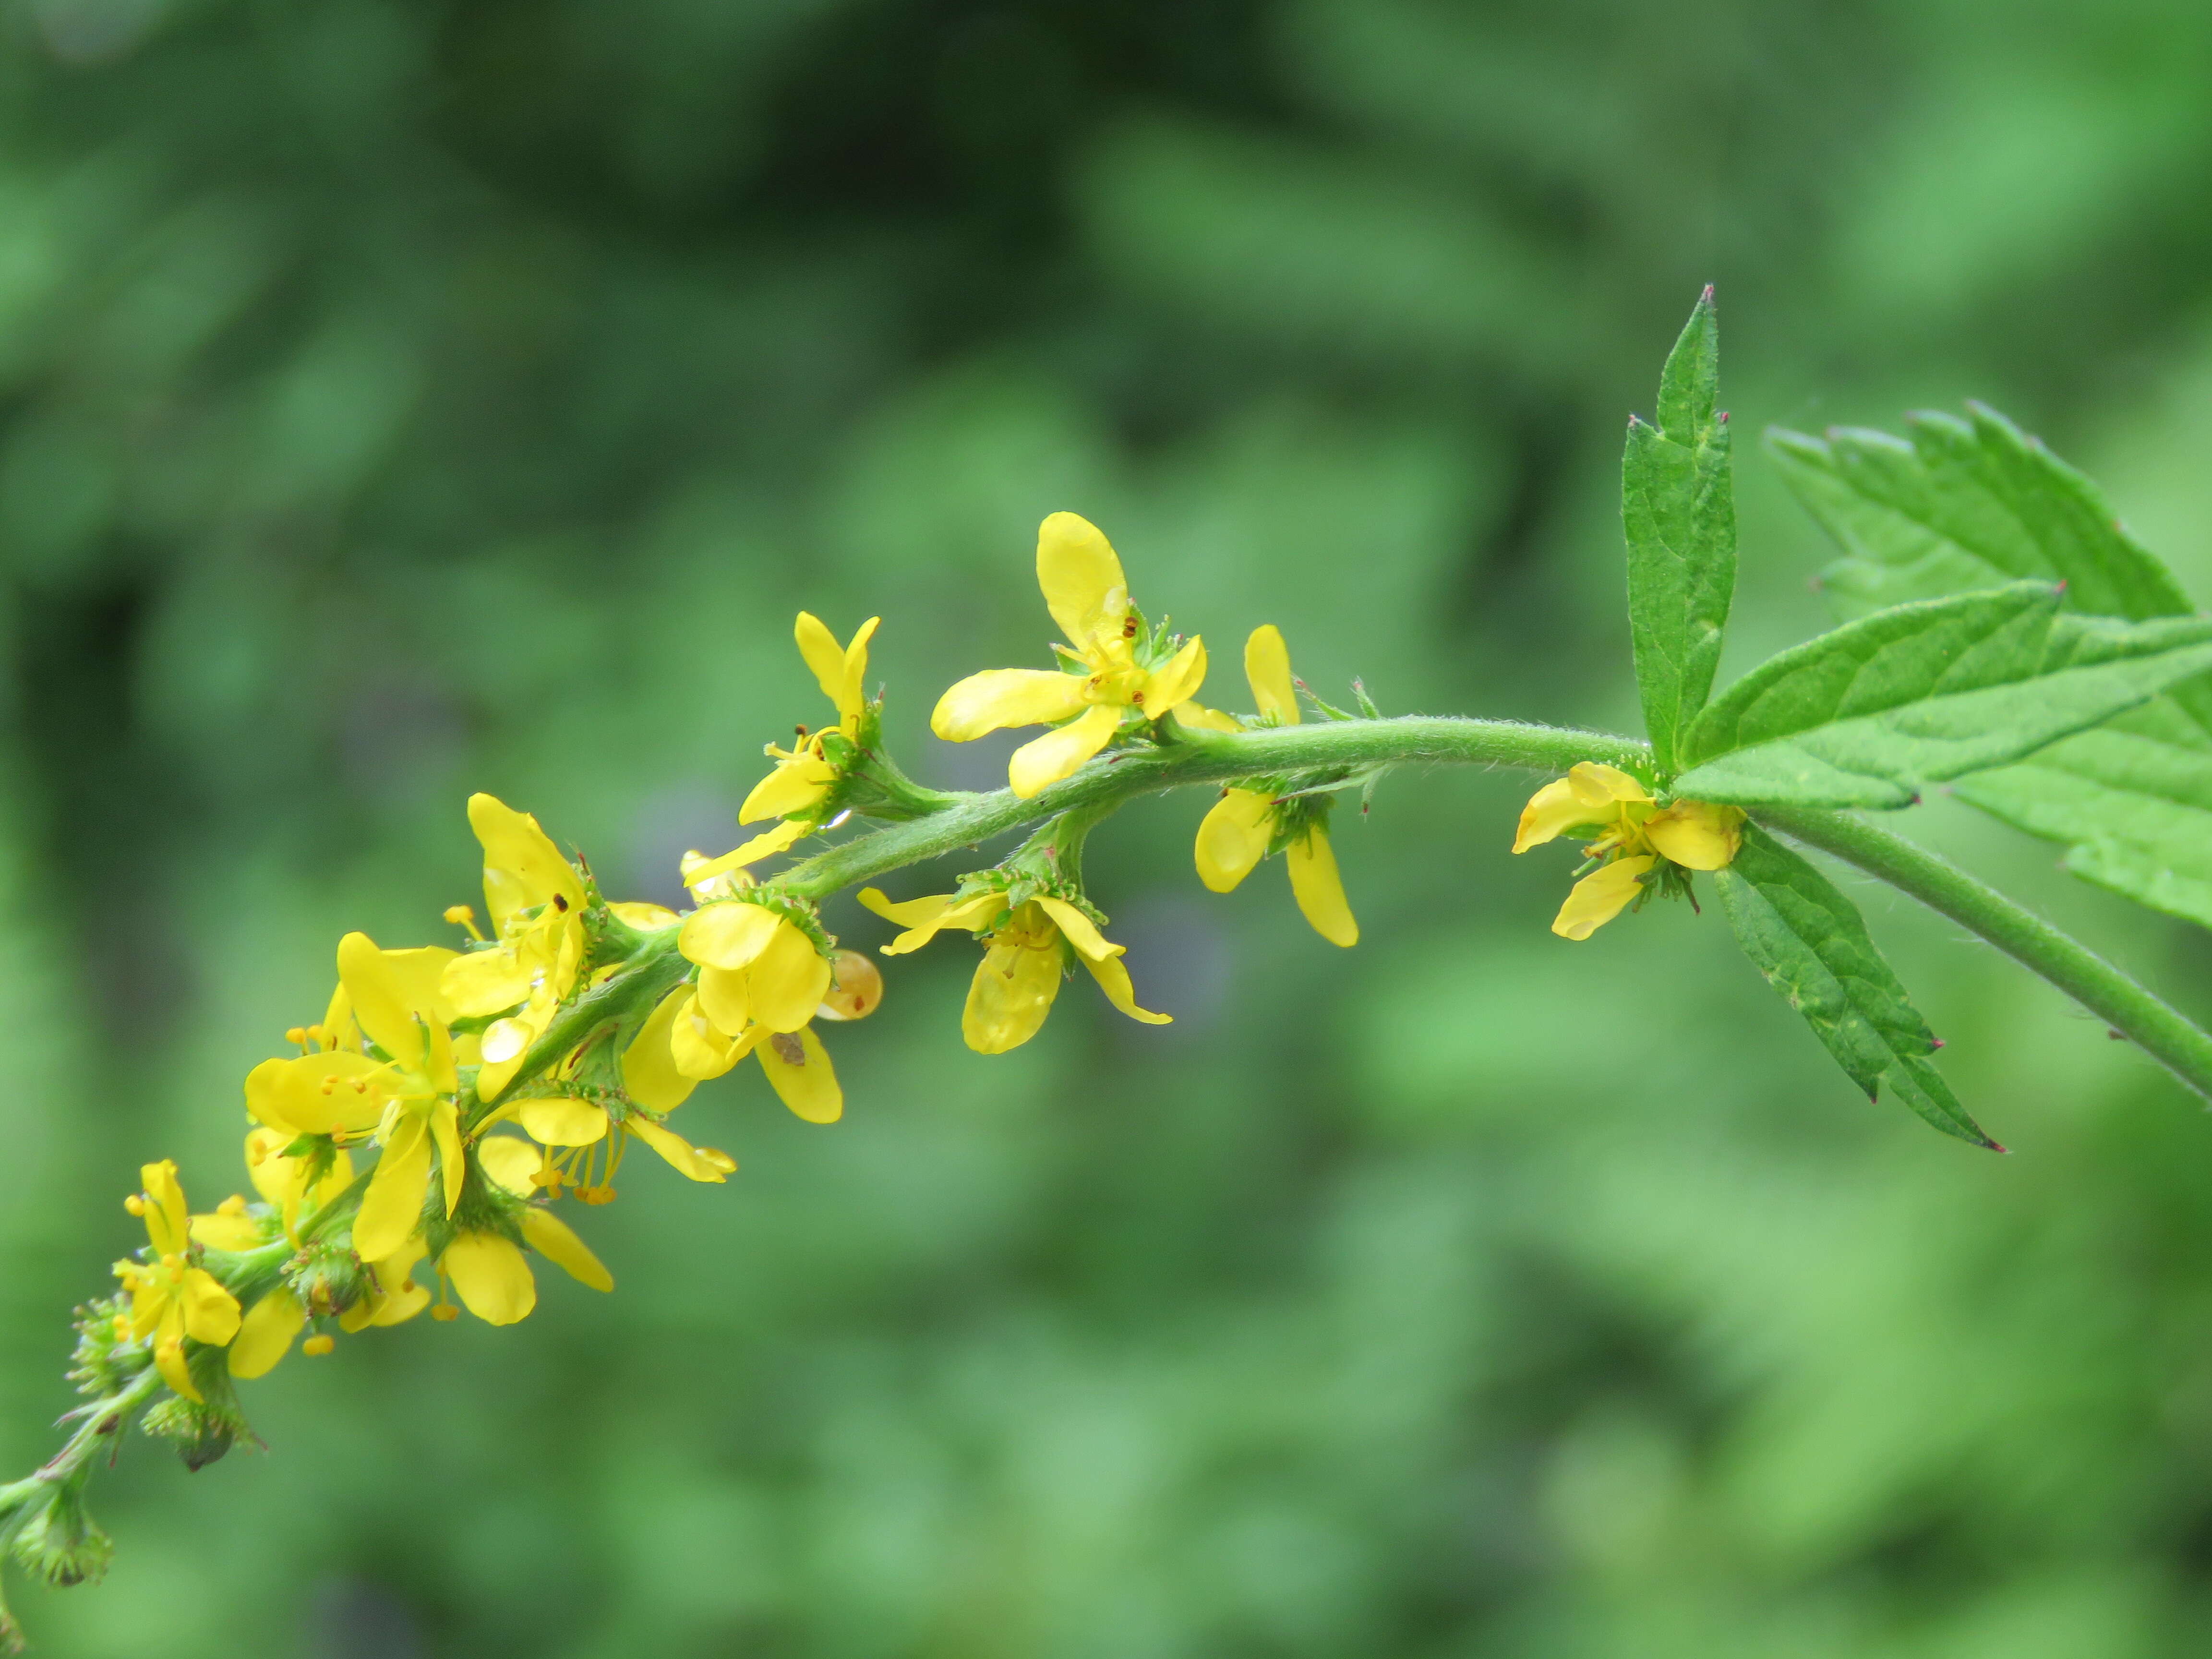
<point>804,774</point>
<point>1023,959</point>
<point>400,1013</point>
<point>536,902</point>
<point>1245,823</point>
<point>1089,598</point>
<point>171,1299</point>
<point>1632,836</point>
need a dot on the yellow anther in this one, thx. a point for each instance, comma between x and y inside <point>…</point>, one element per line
<point>444,1311</point>
<point>297,1034</point>
<point>122,1328</point>
<point>136,1204</point>
<point>461,916</point>
<point>321,1342</point>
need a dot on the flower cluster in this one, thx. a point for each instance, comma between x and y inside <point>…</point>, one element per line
<point>489,1080</point>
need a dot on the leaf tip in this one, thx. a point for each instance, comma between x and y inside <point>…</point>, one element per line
<point>1706,298</point>
<point>1933,1044</point>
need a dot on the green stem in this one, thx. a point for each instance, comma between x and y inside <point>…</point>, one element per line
<point>1211,757</point>
<point>2128,1008</point>
<point>99,1427</point>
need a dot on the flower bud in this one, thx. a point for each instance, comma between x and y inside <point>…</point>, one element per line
<point>857,986</point>
<point>60,1544</point>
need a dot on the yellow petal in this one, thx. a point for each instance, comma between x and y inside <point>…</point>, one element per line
<point>729,935</point>
<point>649,1071</point>
<point>554,1240</point>
<point>511,1162</point>
<point>823,655</point>
<point>1233,837</point>
<point>1318,888</point>
<point>1696,835</point>
<point>646,918</point>
<point>484,981</point>
<point>788,981</point>
<point>210,1311</point>
<point>1006,696</point>
<point>1268,667</point>
<point>1602,785</point>
<point>335,1092</point>
<point>399,1297</point>
<point>523,869</point>
<point>1551,812</point>
<point>1010,996</point>
<point>1059,753</point>
<point>1084,587</point>
<point>491,1276</point>
<point>926,918</point>
<point>169,1357</point>
<point>418,973</point>
<point>1078,929</point>
<point>853,691</point>
<point>795,785</point>
<point>1172,682</point>
<point>700,1049</point>
<point>681,1154</point>
<point>1198,717</point>
<point>563,1121</point>
<point>1600,896</point>
<point>392,1208</point>
<point>265,1335</point>
<point>227,1233</point>
<point>168,1217</point>
<point>768,843</point>
<point>799,1070</point>
<point>380,1001</point>
<point>1113,979</point>
<point>445,1132</point>
<point>727,999</point>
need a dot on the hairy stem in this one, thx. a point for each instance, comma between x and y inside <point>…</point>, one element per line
<point>2161,1030</point>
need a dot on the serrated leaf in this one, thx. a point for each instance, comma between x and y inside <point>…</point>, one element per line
<point>1809,941</point>
<point>1868,714</point>
<point>1678,510</point>
<point>2136,809</point>
<point>1959,505</point>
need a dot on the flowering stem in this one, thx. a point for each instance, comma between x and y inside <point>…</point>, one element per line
<point>2130,1009</point>
<point>103,1420</point>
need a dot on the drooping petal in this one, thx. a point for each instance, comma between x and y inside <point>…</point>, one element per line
<point>1084,587</point>
<point>523,869</point>
<point>1600,896</point>
<point>399,1298</point>
<point>799,1070</point>
<point>1268,667</point>
<point>646,917</point>
<point>1233,837</point>
<point>728,934</point>
<point>1010,996</point>
<point>1551,812</point>
<point>554,1240</point>
<point>1198,717</point>
<point>491,1276</point>
<point>1059,753</point>
<point>210,1311</point>
<point>681,1154</point>
<point>169,1353</point>
<point>649,1071</point>
<point>796,784</point>
<point>563,1121</point>
<point>1696,835</point>
<point>485,981</point>
<point>701,1050</point>
<point>380,1001</point>
<point>265,1335</point>
<point>511,1162</point>
<point>725,998</point>
<point>823,655</point>
<point>1113,977</point>
<point>926,918</point>
<point>698,871</point>
<point>1078,929</point>
<point>788,980</point>
<point>1006,696</point>
<point>392,1208</point>
<point>1171,684</point>
<point>1319,888</point>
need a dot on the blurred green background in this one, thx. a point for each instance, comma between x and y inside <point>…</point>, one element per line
<point>400,399</point>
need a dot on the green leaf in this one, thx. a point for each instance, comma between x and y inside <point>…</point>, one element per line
<point>1678,509</point>
<point>1810,943</point>
<point>1865,715</point>
<point>1959,505</point>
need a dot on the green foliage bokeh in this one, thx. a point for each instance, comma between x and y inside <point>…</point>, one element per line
<point>401,400</point>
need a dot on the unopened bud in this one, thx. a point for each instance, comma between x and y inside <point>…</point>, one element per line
<point>60,1544</point>
<point>856,986</point>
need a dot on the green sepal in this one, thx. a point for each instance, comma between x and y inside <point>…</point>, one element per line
<point>1809,941</point>
<point>1678,512</point>
<point>1865,715</point>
